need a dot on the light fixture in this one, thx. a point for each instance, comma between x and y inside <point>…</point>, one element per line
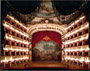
<point>77,59</point>
<point>16,21</point>
<point>6,25</point>
<point>76,22</point>
<point>71,33</point>
<point>76,40</point>
<point>14,39</point>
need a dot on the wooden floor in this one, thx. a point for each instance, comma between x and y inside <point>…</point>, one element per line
<point>40,64</point>
<point>45,64</point>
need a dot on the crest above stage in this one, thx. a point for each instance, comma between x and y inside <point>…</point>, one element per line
<point>46,38</point>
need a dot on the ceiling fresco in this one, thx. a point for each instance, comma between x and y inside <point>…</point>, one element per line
<point>46,9</point>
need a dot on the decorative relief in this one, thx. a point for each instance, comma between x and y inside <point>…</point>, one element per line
<point>45,27</point>
<point>46,38</point>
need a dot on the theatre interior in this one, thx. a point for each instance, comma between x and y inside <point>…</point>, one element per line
<point>45,34</point>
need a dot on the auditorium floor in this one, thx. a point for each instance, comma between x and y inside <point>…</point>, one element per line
<point>47,64</point>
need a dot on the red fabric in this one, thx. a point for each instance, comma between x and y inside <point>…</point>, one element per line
<point>85,65</point>
<point>2,64</point>
<point>84,20</point>
<point>8,19</point>
<point>8,64</point>
<point>9,42</point>
<point>56,58</point>
<point>9,53</point>
<point>38,36</point>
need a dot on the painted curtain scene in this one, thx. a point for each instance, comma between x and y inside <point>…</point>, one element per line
<point>46,51</point>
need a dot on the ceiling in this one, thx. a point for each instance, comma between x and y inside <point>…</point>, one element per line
<point>67,7</point>
<point>64,7</point>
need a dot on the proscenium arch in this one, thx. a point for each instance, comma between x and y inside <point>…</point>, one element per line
<point>34,28</point>
<point>46,27</point>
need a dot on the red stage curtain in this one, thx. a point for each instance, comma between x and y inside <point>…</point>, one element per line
<point>38,36</point>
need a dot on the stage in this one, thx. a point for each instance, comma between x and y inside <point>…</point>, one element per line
<point>46,65</point>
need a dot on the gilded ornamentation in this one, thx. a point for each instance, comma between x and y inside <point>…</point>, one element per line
<point>46,38</point>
